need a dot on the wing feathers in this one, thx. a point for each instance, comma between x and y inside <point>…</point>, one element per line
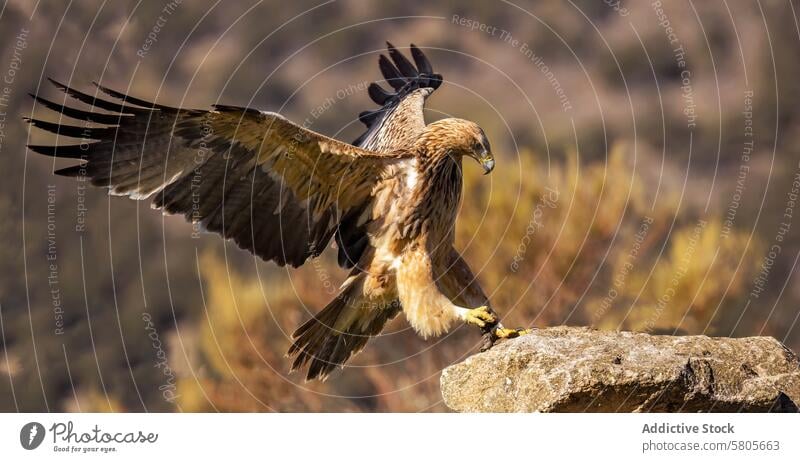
<point>378,94</point>
<point>78,114</point>
<point>94,101</point>
<point>273,187</point>
<point>70,130</point>
<point>130,99</point>
<point>390,73</point>
<point>421,61</point>
<point>73,151</point>
<point>404,65</point>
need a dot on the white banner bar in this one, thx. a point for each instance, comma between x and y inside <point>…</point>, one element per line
<point>399,437</point>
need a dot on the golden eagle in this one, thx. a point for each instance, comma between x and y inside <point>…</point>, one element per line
<point>281,191</point>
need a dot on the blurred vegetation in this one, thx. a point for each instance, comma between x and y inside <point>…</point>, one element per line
<point>611,214</point>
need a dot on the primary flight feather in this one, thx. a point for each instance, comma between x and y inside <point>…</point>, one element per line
<point>389,200</point>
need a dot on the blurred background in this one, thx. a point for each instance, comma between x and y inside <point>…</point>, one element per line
<point>647,179</point>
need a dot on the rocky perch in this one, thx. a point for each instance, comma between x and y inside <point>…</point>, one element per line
<point>572,369</point>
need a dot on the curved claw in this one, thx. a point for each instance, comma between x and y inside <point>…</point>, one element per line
<point>481,317</point>
<point>491,336</point>
<point>502,332</point>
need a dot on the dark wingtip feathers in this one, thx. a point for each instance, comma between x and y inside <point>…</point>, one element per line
<point>57,84</point>
<point>378,93</point>
<point>403,75</point>
<point>421,60</point>
<point>403,64</point>
<point>73,171</point>
<point>130,99</point>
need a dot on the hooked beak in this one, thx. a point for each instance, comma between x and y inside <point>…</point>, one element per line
<point>487,162</point>
<point>483,154</point>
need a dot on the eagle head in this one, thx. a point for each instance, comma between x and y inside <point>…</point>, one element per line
<point>458,138</point>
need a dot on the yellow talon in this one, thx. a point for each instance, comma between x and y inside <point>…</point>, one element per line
<point>480,316</point>
<point>510,333</point>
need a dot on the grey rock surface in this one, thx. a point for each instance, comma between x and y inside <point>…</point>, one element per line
<point>575,369</point>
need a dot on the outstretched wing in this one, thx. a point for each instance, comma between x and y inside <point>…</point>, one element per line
<point>395,124</point>
<point>273,187</point>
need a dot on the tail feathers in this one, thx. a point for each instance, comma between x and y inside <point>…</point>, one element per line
<point>337,333</point>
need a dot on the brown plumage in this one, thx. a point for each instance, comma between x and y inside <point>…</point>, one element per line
<point>283,192</point>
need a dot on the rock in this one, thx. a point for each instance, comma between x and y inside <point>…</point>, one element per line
<point>573,369</point>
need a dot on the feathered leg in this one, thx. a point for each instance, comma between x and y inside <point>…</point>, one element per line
<point>460,285</point>
<point>427,306</point>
